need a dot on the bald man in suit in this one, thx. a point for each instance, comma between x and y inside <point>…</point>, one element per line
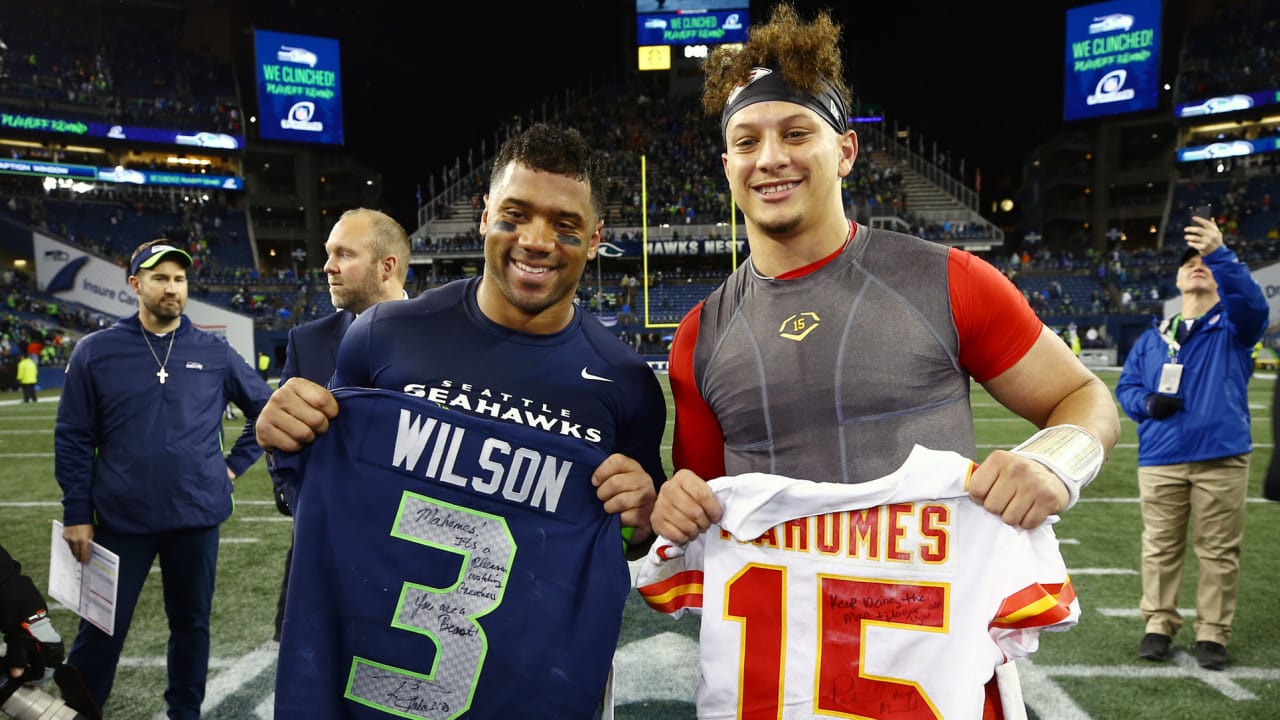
<point>367,263</point>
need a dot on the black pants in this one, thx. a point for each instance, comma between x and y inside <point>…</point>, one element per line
<point>29,393</point>
<point>188,569</point>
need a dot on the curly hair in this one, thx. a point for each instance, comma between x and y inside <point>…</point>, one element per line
<point>805,54</point>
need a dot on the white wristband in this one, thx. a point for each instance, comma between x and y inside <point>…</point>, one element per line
<point>1070,451</point>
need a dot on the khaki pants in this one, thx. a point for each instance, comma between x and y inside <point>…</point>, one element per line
<point>1211,495</point>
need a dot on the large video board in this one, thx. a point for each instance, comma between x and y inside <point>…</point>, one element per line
<point>299,88</point>
<point>692,27</point>
<point>660,23</point>
<point>1112,62</point>
<point>1227,104</point>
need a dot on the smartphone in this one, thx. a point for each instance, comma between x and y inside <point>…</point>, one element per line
<point>1204,211</point>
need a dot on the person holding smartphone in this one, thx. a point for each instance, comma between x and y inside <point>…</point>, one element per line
<point>1185,383</point>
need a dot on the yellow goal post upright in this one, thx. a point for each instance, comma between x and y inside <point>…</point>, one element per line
<point>644,241</point>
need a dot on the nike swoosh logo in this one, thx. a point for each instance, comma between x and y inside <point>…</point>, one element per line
<point>588,376</point>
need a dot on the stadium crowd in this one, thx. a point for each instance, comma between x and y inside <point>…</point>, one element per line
<point>118,81</point>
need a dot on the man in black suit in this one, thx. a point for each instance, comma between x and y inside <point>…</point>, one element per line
<point>367,262</point>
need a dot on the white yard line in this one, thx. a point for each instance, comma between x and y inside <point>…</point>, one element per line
<point>638,680</point>
<point>1044,697</point>
<point>1182,667</point>
<point>266,710</point>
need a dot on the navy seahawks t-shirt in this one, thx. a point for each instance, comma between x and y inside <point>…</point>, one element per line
<point>446,566</point>
<point>582,382</point>
<point>483,579</point>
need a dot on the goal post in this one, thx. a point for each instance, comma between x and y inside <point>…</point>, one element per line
<point>644,242</point>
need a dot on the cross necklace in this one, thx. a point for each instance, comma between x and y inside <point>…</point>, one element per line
<point>162,374</point>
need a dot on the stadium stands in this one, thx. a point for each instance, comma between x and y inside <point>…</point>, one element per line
<point>102,75</point>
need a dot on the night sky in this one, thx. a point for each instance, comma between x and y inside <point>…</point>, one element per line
<point>982,81</point>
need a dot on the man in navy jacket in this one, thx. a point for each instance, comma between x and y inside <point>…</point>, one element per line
<point>367,262</point>
<point>1185,383</point>
<point>138,452</point>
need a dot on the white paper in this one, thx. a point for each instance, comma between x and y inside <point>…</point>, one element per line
<point>89,588</point>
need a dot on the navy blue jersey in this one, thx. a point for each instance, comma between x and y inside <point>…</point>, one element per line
<point>582,382</point>
<point>446,565</point>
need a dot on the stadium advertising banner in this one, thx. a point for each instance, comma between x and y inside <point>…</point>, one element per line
<point>81,128</point>
<point>1112,62</point>
<point>119,175</point>
<point>674,247</point>
<point>299,88</point>
<point>70,274</point>
<point>1229,148</point>
<point>1226,104</point>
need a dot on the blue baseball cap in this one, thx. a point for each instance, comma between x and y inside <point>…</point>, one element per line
<point>150,256</point>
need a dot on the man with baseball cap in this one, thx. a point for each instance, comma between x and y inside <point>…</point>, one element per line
<point>1185,383</point>
<point>138,454</point>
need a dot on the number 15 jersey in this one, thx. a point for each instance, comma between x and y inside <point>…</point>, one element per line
<point>895,598</point>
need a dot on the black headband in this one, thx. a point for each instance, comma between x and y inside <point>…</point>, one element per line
<point>766,84</point>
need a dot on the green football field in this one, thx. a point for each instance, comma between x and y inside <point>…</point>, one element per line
<point>1091,671</point>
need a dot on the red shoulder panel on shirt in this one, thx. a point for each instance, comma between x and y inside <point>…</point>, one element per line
<point>994,320</point>
<point>698,442</point>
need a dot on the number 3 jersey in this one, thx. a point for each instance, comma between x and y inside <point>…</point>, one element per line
<point>894,598</point>
<point>447,565</point>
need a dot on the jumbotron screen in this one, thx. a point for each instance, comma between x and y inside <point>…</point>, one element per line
<point>299,88</point>
<point>695,22</point>
<point>1112,62</point>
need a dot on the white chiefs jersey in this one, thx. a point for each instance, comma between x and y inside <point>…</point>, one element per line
<point>894,598</point>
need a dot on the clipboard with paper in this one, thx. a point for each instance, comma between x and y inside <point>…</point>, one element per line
<point>88,589</point>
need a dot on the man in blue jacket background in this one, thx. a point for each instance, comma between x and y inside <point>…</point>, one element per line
<point>1185,383</point>
<point>138,452</point>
